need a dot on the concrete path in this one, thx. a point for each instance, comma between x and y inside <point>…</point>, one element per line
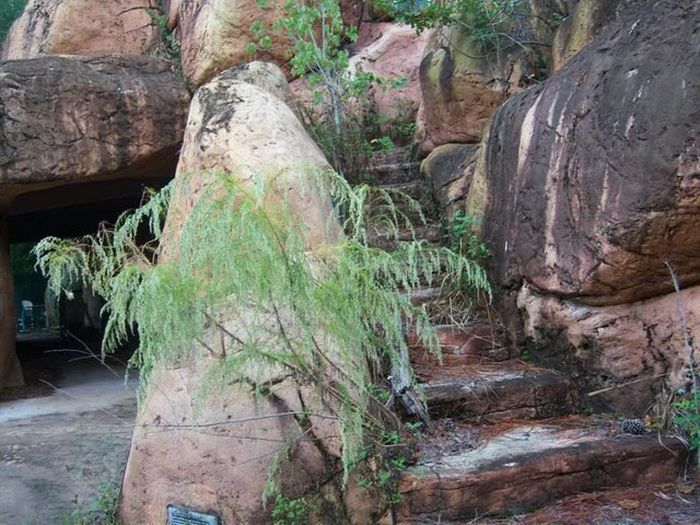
<point>63,452</point>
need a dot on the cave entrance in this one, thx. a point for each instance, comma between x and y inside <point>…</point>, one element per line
<point>56,341</point>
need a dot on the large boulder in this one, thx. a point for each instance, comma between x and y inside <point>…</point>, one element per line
<point>391,51</point>
<point>581,27</point>
<point>75,119</point>
<point>214,35</point>
<point>587,183</point>
<point>461,87</point>
<point>450,169</point>
<point>462,83</point>
<point>81,27</point>
<point>77,130</point>
<point>239,125</point>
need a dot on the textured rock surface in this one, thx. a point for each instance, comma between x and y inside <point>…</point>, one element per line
<point>222,469</point>
<point>582,26</point>
<point>239,124</point>
<point>461,90</point>
<point>214,35</point>
<point>450,169</point>
<point>496,392</point>
<point>391,50</point>
<point>598,227</point>
<point>639,345</point>
<point>528,465</point>
<point>237,127</point>
<point>75,119</point>
<point>583,237</point>
<point>81,27</point>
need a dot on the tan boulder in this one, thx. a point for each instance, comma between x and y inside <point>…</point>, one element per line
<point>450,169</point>
<point>81,27</point>
<point>214,35</point>
<point>238,127</point>
<point>230,118</point>
<point>581,27</point>
<point>461,87</point>
<point>391,51</point>
<point>214,458</point>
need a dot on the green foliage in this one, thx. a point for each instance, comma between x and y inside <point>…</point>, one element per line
<point>169,46</point>
<point>492,25</point>
<point>688,418</point>
<point>244,289</point>
<point>462,230</point>
<point>9,11</point>
<point>289,511</point>
<point>102,511</point>
<point>341,114</point>
<point>22,262</point>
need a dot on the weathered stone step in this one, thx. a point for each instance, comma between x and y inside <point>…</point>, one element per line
<point>387,240</point>
<point>473,342</point>
<point>495,392</point>
<point>517,468</point>
<point>395,166</point>
<point>418,191</point>
<point>395,172</point>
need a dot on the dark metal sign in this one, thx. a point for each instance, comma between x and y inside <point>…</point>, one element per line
<point>184,516</point>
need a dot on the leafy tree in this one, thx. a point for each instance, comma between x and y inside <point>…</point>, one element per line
<point>342,117</point>
<point>245,289</point>
<point>9,11</point>
<point>493,26</point>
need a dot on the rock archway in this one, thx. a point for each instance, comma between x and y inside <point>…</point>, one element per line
<point>79,139</point>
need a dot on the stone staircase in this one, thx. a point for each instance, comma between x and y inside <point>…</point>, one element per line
<point>509,437</point>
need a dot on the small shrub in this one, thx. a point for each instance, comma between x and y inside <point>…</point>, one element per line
<point>169,47</point>
<point>288,511</point>
<point>688,418</point>
<point>350,293</point>
<point>463,238</point>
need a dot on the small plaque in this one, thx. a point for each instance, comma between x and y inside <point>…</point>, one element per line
<point>183,516</point>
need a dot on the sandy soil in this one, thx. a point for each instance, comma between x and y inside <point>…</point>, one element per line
<point>57,452</point>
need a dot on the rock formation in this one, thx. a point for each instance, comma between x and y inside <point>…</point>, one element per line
<point>450,169</point>
<point>595,230</point>
<point>462,83</point>
<point>214,35</point>
<point>391,51</point>
<point>70,120</point>
<point>585,22</point>
<point>81,27</point>
<point>240,126</point>
<point>76,130</point>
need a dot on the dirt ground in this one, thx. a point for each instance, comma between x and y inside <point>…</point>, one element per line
<point>62,452</point>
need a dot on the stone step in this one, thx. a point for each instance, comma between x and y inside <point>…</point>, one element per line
<point>418,191</point>
<point>477,341</point>
<point>395,166</point>
<point>423,296</point>
<point>395,172</point>
<point>468,472</point>
<point>493,392</point>
<point>387,240</point>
